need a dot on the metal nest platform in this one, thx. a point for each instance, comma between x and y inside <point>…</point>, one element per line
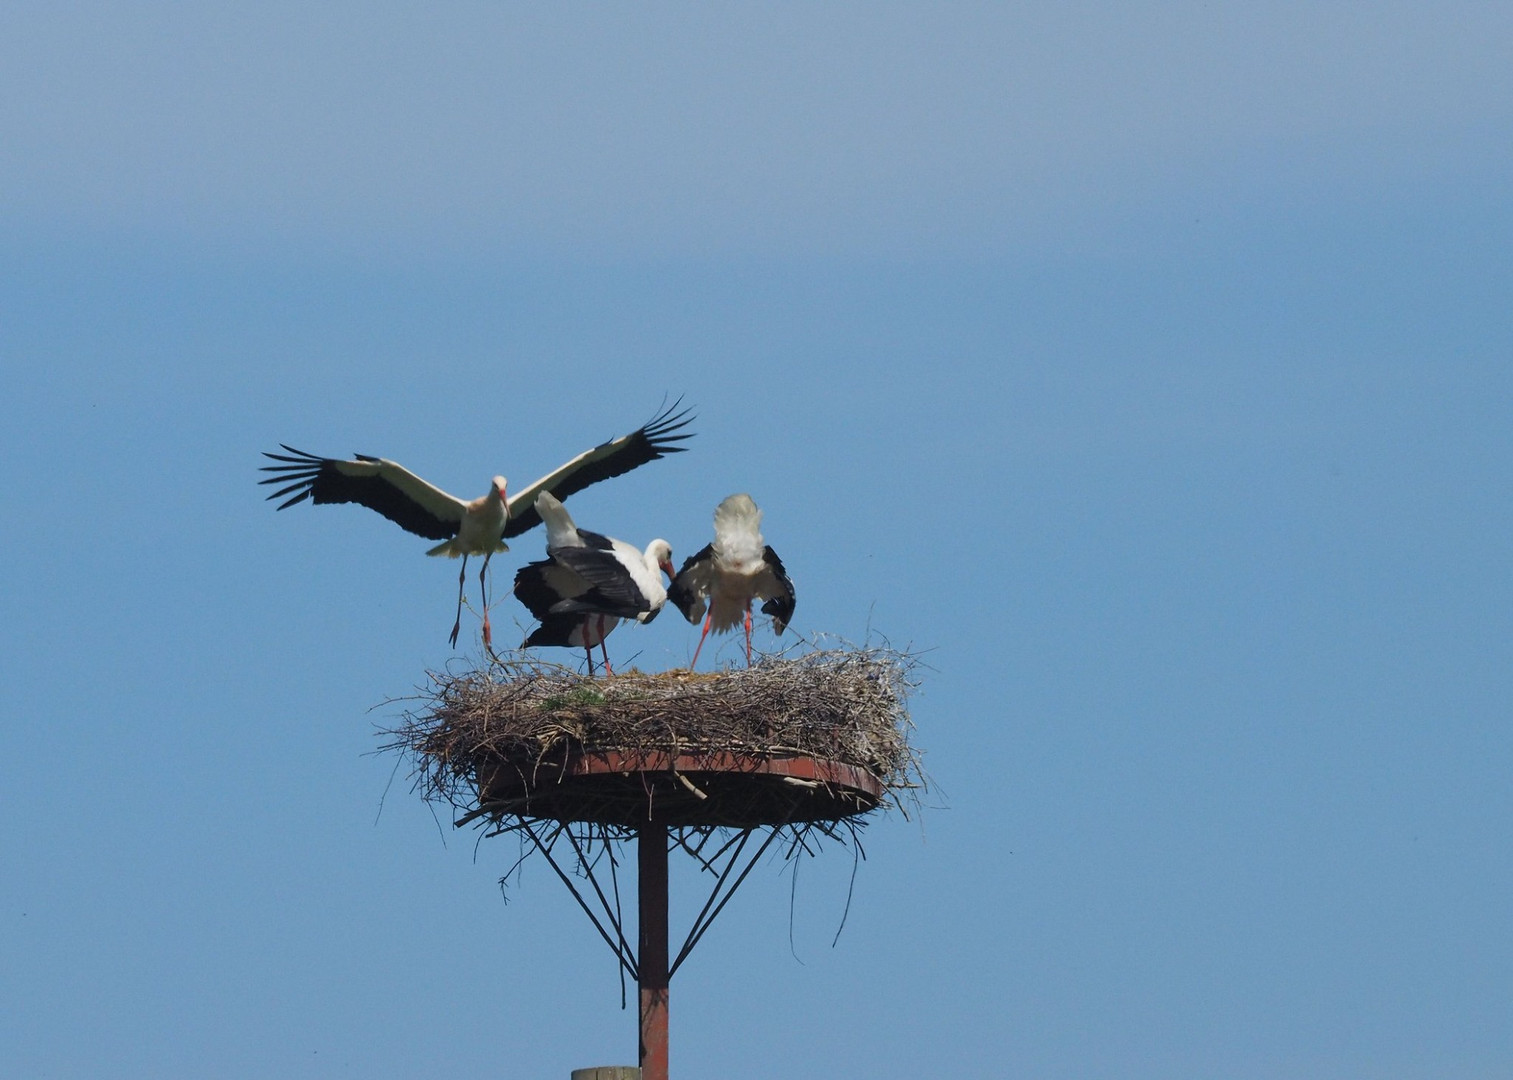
<point>706,788</point>
<point>784,755</point>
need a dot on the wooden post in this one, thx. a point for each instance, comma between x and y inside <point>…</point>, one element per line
<point>651,956</point>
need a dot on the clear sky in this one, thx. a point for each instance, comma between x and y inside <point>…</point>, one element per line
<point>1151,368</point>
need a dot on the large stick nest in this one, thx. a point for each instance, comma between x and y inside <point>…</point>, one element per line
<point>815,738</point>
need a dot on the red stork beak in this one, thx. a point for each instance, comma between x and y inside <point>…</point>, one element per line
<point>667,569</point>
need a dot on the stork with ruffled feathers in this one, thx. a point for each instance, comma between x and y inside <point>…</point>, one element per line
<point>727,575</point>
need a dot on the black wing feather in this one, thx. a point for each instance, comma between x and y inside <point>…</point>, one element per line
<point>780,607</point>
<point>319,480</point>
<point>533,588</point>
<point>657,438</point>
<point>597,541</point>
<point>678,593</point>
<point>612,591</point>
<point>554,630</point>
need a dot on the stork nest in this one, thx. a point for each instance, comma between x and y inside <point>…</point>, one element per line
<point>814,738</point>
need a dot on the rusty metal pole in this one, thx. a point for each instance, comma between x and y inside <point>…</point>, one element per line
<point>651,957</point>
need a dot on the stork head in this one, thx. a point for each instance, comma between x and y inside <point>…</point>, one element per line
<point>660,552</point>
<point>499,489</point>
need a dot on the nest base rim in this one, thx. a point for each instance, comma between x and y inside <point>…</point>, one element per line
<point>699,788</point>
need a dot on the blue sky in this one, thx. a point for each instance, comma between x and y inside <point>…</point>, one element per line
<point>1151,370</point>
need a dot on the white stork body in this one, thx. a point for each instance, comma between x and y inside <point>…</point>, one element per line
<point>588,583</point>
<point>465,528</point>
<point>480,532</point>
<point>730,573</point>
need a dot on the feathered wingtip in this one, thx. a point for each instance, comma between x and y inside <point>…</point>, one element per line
<point>659,430</point>
<point>302,469</point>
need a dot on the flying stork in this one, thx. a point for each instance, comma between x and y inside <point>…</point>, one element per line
<point>732,572</point>
<point>588,583</point>
<point>465,528</point>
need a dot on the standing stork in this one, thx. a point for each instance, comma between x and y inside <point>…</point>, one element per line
<point>465,528</point>
<point>732,572</point>
<point>588,583</point>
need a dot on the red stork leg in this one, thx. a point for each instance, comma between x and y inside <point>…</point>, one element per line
<point>588,645</point>
<point>608,670</point>
<point>705,634</point>
<point>488,639</point>
<point>461,578</point>
<point>748,634</point>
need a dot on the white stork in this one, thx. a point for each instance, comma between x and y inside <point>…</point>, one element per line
<point>732,572</point>
<point>464,528</point>
<point>588,583</point>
